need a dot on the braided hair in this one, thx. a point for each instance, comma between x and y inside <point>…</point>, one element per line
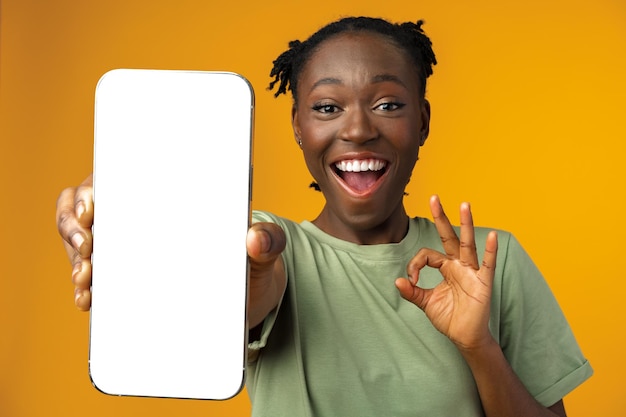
<point>409,36</point>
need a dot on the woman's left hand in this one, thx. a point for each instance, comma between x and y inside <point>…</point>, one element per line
<point>459,306</point>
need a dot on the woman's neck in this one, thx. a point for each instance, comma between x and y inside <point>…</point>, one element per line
<point>369,232</point>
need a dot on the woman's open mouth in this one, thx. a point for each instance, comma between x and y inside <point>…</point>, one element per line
<point>360,175</point>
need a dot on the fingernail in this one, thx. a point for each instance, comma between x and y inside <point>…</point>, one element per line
<point>80,209</point>
<point>76,270</point>
<point>77,294</point>
<point>77,241</point>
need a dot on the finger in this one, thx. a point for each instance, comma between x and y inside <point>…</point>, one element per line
<point>410,292</point>
<point>467,242</point>
<point>424,257</point>
<point>81,277</point>
<point>81,268</point>
<point>83,202</point>
<point>488,267</point>
<point>81,273</point>
<point>82,299</point>
<point>448,236</point>
<point>265,242</point>
<point>70,230</point>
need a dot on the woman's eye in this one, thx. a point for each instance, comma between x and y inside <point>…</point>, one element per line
<point>390,106</point>
<point>325,108</point>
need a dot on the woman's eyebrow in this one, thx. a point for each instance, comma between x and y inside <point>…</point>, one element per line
<point>387,77</point>
<point>380,78</point>
<point>326,81</point>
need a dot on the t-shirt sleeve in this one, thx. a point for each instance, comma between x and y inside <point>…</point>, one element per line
<point>534,334</point>
<point>254,346</point>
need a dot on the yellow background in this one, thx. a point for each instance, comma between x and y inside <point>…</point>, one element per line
<point>528,124</point>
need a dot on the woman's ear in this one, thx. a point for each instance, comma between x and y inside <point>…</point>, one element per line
<point>425,116</point>
<point>295,124</point>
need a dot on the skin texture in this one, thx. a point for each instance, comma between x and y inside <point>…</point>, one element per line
<point>359,99</point>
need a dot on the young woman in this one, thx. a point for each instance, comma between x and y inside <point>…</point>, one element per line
<point>335,327</point>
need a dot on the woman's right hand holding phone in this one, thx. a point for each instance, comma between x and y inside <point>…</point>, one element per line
<point>74,217</point>
<point>264,243</point>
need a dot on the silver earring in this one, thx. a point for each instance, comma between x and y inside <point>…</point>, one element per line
<point>300,143</point>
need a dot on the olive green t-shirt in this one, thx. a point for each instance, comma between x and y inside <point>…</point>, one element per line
<point>344,343</point>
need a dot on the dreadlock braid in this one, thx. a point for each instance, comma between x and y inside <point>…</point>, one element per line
<point>409,36</point>
<point>422,50</point>
<point>283,67</point>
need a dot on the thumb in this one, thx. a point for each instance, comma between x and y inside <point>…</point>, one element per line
<point>264,243</point>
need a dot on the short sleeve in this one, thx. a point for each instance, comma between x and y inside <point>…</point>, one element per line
<point>534,334</point>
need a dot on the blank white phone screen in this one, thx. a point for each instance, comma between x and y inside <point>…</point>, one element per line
<point>172,180</point>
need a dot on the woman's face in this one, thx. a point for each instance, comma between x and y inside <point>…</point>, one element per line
<point>361,122</point>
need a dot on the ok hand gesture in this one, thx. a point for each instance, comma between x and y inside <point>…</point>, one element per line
<point>459,306</point>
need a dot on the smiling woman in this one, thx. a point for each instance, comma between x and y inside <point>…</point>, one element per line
<point>334,331</point>
<point>359,100</point>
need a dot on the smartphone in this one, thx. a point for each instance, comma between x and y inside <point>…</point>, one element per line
<point>172,183</point>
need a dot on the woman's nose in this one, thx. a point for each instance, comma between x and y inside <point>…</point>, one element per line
<point>358,126</point>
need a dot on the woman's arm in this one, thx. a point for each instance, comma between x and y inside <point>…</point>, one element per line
<point>459,307</point>
<point>501,392</point>
<point>265,242</point>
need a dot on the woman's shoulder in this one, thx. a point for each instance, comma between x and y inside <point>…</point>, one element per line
<point>266,216</point>
<point>289,226</point>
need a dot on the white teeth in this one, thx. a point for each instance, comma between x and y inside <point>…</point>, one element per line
<point>357,165</point>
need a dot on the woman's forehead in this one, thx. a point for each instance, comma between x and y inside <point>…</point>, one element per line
<point>376,45</point>
<point>352,52</point>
